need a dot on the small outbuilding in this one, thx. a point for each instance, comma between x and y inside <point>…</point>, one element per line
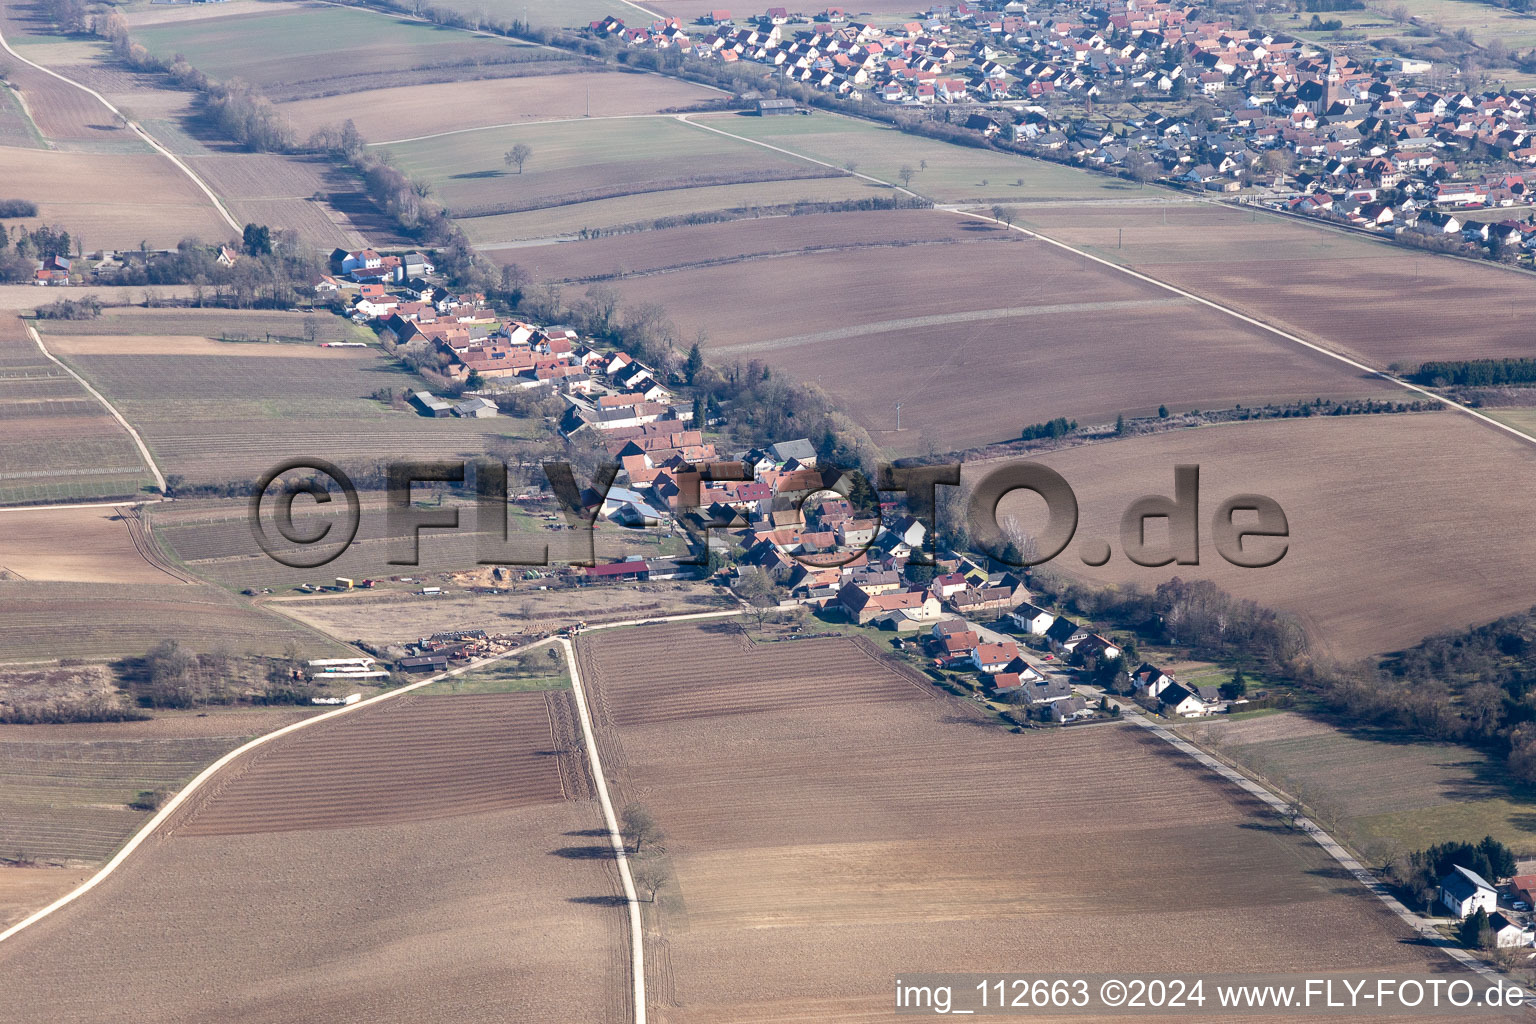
<point>768,108</point>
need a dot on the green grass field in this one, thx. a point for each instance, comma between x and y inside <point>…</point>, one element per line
<point>1382,792</point>
<point>288,47</point>
<point>1486,22</point>
<point>535,670</point>
<point>215,418</point>
<point>954,174</point>
<point>582,161</point>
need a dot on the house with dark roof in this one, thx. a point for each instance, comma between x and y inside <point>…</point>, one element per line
<point>1463,892</point>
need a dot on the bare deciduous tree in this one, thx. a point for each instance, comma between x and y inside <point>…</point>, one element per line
<point>518,155</point>
<point>639,828</point>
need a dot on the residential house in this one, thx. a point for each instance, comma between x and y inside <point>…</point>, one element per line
<point>1464,892</point>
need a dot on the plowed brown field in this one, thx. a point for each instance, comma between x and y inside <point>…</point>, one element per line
<point>414,759</point>
<point>823,847</point>
<point>410,891</point>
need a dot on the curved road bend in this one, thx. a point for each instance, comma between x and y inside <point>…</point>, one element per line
<point>637,951</point>
<point>137,130</point>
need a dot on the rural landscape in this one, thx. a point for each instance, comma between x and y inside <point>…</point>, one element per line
<point>631,511</point>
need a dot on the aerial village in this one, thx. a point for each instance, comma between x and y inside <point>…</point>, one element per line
<point>1158,90</point>
<point>778,529</point>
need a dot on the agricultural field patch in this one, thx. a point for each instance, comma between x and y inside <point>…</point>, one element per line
<point>424,859</point>
<point>148,330</point>
<point>405,112</point>
<point>655,252</point>
<point>290,51</point>
<point>1373,302</point>
<point>80,545</point>
<point>584,161</point>
<point>551,13</point>
<point>1387,793</point>
<point>16,128</point>
<point>1394,531</point>
<point>954,174</point>
<point>113,620</point>
<point>832,832</point>
<point>57,443</point>
<point>643,209</point>
<point>111,200</point>
<point>66,801</point>
<point>1025,328</point>
<point>222,417</point>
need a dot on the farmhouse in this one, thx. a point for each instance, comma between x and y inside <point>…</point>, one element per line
<point>863,607</point>
<point>1464,892</point>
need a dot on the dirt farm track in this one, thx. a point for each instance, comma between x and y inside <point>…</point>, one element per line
<point>427,860</point>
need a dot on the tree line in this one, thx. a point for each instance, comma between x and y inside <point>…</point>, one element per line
<point>1475,372</point>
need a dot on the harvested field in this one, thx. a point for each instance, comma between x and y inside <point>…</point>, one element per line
<point>1371,301</point>
<point>80,545</point>
<point>67,115</point>
<point>681,248</point>
<point>226,417</point>
<point>23,890</point>
<point>58,442</point>
<point>834,844</point>
<point>1027,329</point>
<point>291,51</point>
<point>1396,530</point>
<point>584,161</point>
<point>113,620</point>
<point>1381,791</point>
<point>115,201</point>
<point>955,174</point>
<point>365,886</point>
<point>404,112</point>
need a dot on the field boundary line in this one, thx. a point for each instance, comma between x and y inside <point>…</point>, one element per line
<point>134,126</point>
<point>202,777</point>
<point>137,440</point>
<point>1322,838</point>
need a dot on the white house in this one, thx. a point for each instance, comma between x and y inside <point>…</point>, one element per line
<point>1150,680</point>
<point>1510,933</point>
<point>1462,892</point>
<point>992,658</point>
<point>1178,700</point>
<point>1032,619</point>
